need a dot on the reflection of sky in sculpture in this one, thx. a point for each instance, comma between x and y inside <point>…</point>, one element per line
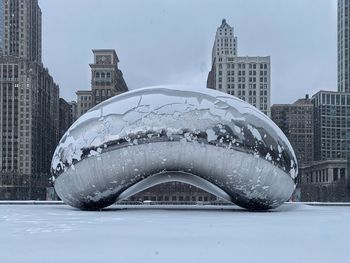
<point>203,137</point>
<point>161,113</point>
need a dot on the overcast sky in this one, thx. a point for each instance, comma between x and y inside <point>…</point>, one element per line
<point>170,42</point>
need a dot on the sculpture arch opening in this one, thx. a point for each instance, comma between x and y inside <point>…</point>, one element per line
<point>174,176</point>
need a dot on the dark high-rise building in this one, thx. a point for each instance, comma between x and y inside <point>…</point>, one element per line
<point>29,112</point>
<point>28,128</point>
<point>296,121</point>
<point>106,79</point>
<point>73,110</point>
<point>65,116</point>
<point>2,14</point>
<point>22,29</point>
<point>344,45</point>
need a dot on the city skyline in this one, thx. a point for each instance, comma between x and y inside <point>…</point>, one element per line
<point>171,44</point>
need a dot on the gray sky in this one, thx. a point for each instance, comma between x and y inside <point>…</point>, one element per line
<point>170,42</point>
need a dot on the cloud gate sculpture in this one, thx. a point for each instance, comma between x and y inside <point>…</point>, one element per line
<point>152,135</point>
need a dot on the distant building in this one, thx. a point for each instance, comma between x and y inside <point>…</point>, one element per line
<point>325,181</point>
<point>84,101</point>
<point>296,121</point>
<point>106,79</point>
<point>73,110</point>
<point>248,78</point>
<point>22,29</point>
<point>28,128</point>
<point>65,117</point>
<point>29,112</point>
<point>331,125</point>
<point>343,46</point>
<point>2,14</point>
<point>327,178</point>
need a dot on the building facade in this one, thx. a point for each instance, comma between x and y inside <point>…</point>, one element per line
<point>84,101</point>
<point>22,29</point>
<point>29,128</point>
<point>2,14</point>
<point>327,178</point>
<point>325,181</point>
<point>248,78</point>
<point>106,79</point>
<point>331,125</point>
<point>65,117</point>
<point>296,121</point>
<point>343,46</point>
<point>73,110</point>
<point>29,112</point>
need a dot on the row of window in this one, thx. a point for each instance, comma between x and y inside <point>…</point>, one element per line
<point>321,176</point>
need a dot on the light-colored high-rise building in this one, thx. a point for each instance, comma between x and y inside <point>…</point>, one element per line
<point>343,45</point>
<point>22,29</point>
<point>29,112</point>
<point>84,101</point>
<point>225,41</point>
<point>248,78</point>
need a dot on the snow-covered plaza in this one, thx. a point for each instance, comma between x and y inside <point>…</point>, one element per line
<point>59,233</point>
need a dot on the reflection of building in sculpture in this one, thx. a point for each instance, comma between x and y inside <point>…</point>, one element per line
<point>174,192</point>
<point>247,78</point>
<point>296,121</point>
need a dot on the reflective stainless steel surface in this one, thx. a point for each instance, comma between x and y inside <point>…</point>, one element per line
<point>166,133</point>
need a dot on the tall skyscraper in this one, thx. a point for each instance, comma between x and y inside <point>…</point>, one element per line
<point>247,78</point>
<point>29,111</point>
<point>22,29</point>
<point>343,45</point>
<point>225,42</point>
<point>2,14</point>
<point>106,79</point>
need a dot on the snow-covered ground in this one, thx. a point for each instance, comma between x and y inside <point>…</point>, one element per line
<point>59,233</point>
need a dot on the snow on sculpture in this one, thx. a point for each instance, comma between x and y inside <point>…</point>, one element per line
<point>169,133</point>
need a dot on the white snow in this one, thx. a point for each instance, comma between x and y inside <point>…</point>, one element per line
<point>58,233</point>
